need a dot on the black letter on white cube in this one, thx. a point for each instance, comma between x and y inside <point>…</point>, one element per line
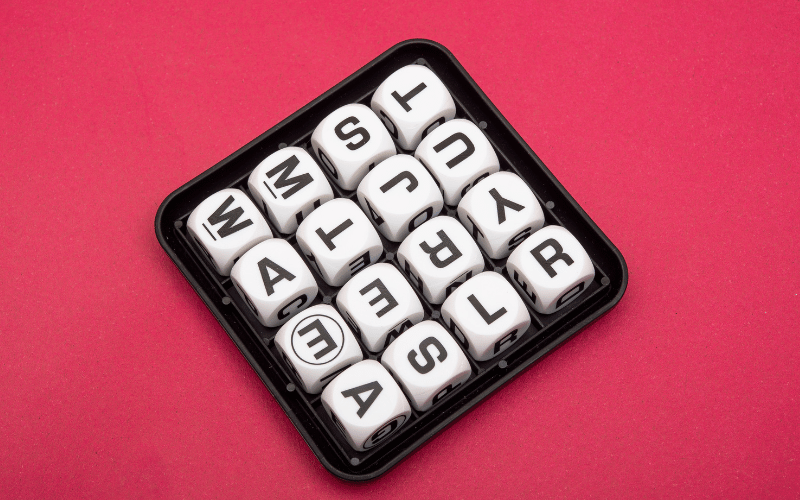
<point>552,264</point>
<point>488,318</point>
<point>445,244</point>
<point>425,360</point>
<point>423,349</point>
<point>229,218</point>
<point>469,148</point>
<point>283,171</point>
<point>383,294</point>
<point>328,238</point>
<point>281,274</point>
<point>341,134</point>
<point>403,99</point>
<point>274,281</point>
<point>547,264</point>
<point>466,311</point>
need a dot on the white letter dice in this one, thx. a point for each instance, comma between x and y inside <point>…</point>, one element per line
<point>399,195</point>
<point>366,404</point>
<point>458,155</point>
<point>550,268</point>
<point>274,281</point>
<point>317,345</point>
<point>486,315</point>
<point>349,142</point>
<point>339,240</point>
<point>500,212</point>
<point>289,185</point>
<point>412,102</point>
<point>427,362</point>
<point>438,256</point>
<point>226,225</point>
<point>380,305</point>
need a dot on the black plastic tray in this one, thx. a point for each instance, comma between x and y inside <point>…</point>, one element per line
<point>256,342</point>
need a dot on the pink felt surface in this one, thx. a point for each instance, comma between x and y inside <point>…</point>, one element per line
<point>674,124</point>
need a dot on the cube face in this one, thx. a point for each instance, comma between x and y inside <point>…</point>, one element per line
<point>289,185</point>
<point>500,212</point>
<point>317,345</point>
<point>366,404</point>
<point>399,195</point>
<point>274,281</point>
<point>412,102</point>
<point>427,363</point>
<point>349,142</point>
<point>339,240</point>
<point>458,155</point>
<point>226,225</point>
<point>550,269</point>
<point>380,305</point>
<point>486,315</point>
<point>438,256</point>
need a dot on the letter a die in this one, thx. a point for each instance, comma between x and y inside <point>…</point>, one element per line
<point>438,256</point>
<point>349,142</point>
<point>274,281</point>
<point>226,225</point>
<point>317,345</point>
<point>427,363</point>
<point>366,404</point>
<point>500,212</point>
<point>550,269</point>
<point>486,315</point>
<point>458,155</point>
<point>289,185</point>
<point>380,305</point>
<point>399,195</point>
<point>339,240</point>
<point>412,102</point>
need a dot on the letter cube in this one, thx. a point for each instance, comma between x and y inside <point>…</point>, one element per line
<point>438,256</point>
<point>317,345</point>
<point>458,155</point>
<point>339,240</point>
<point>349,142</point>
<point>274,281</point>
<point>550,269</point>
<point>412,102</point>
<point>289,185</point>
<point>427,363</point>
<point>380,305</point>
<point>366,404</point>
<point>399,195</point>
<point>226,225</point>
<point>486,315</point>
<point>500,212</point>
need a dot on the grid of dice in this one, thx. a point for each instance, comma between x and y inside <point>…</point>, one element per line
<point>390,257</point>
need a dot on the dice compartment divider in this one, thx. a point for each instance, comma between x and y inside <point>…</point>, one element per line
<point>256,341</point>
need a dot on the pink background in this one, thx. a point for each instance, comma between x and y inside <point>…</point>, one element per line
<point>674,124</point>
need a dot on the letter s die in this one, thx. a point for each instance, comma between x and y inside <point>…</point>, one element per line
<point>349,142</point>
<point>427,363</point>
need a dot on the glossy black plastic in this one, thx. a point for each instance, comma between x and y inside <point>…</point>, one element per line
<point>256,342</point>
